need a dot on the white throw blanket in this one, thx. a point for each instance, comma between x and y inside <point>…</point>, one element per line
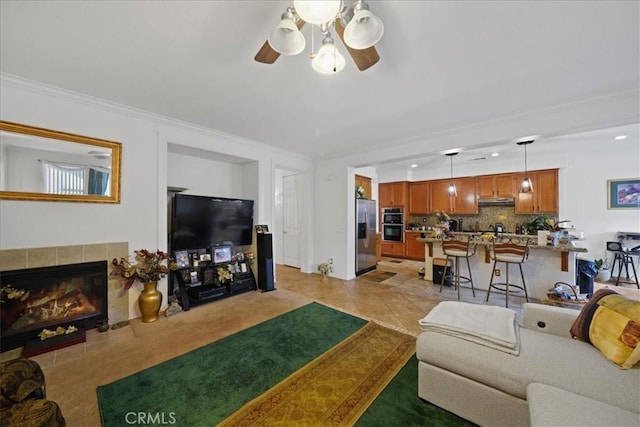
<point>491,326</point>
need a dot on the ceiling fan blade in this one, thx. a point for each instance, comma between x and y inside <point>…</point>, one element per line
<point>266,54</point>
<point>364,58</point>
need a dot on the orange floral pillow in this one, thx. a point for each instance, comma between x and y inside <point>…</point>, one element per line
<point>611,323</point>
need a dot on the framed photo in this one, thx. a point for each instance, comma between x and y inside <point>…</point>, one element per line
<point>623,193</point>
<point>182,259</point>
<point>221,254</point>
<point>207,276</point>
<point>193,277</point>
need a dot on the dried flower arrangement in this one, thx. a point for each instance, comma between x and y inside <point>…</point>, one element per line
<point>149,267</point>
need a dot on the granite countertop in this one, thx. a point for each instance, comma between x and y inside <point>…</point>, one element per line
<point>478,240</point>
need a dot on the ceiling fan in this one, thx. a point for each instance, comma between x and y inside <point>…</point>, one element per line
<point>358,29</point>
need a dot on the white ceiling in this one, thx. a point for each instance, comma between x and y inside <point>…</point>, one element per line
<point>445,65</point>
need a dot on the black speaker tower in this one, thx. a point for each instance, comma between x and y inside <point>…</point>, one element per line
<point>265,262</point>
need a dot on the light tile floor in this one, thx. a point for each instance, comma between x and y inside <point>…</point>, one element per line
<point>73,373</point>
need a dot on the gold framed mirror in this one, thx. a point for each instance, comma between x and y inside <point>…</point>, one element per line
<point>48,165</point>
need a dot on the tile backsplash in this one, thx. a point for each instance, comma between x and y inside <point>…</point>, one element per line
<point>486,217</point>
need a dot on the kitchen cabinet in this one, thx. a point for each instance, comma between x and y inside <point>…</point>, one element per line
<point>544,198</point>
<point>419,197</point>
<point>466,202</point>
<point>413,248</point>
<point>440,200</point>
<point>392,249</point>
<point>500,185</point>
<point>365,183</point>
<point>393,194</point>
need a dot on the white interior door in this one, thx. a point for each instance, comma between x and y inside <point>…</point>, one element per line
<point>291,220</point>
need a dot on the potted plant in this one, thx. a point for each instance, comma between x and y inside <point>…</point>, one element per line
<point>543,225</point>
<point>148,269</point>
<point>604,274</point>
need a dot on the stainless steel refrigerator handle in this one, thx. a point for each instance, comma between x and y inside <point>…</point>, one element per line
<point>366,229</point>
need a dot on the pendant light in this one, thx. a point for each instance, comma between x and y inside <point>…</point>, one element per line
<point>451,189</point>
<point>286,38</point>
<point>526,186</point>
<point>328,60</point>
<point>365,29</point>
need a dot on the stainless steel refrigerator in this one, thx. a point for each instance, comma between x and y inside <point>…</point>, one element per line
<point>366,259</point>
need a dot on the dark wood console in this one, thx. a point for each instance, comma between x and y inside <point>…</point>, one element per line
<point>205,281</point>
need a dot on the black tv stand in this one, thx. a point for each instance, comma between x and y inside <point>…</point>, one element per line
<point>192,293</point>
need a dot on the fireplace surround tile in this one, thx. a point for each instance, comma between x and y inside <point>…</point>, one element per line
<point>42,257</point>
<point>13,259</point>
<point>96,252</point>
<point>70,254</point>
<point>117,250</point>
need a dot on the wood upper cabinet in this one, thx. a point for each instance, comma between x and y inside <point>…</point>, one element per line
<point>393,194</point>
<point>440,200</point>
<point>364,182</point>
<point>466,202</point>
<point>544,198</point>
<point>419,197</point>
<point>500,185</point>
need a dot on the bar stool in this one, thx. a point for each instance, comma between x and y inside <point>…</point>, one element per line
<point>508,253</point>
<point>457,250</point>
<point>623,258</point>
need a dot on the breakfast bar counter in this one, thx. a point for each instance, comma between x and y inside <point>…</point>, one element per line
<point>545,266</point>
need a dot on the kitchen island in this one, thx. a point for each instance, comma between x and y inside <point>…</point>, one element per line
<point>545,266</point>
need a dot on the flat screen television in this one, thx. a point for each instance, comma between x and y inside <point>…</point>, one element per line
<point>203,221</point>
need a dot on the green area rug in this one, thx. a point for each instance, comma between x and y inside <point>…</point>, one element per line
<point>399,405</point>
<point>205,386</point>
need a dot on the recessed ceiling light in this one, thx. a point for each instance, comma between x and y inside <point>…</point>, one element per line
<point>495,154</point>
<point>414,165</point>
<point>620,137</point>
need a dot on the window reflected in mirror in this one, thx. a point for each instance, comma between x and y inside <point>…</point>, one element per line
<point>42,164</point>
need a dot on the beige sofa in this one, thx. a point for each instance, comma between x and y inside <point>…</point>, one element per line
<point>555,380</point>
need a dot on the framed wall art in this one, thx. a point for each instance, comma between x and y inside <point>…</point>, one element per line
<point>623,193</point>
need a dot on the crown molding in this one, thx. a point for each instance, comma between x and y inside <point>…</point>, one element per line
<point>10,80</point>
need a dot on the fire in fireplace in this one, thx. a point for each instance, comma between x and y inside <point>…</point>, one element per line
<point>50,297</point>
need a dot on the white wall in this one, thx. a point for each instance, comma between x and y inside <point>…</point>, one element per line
<point>141,217</point>
<point>583,191</point>
<point>204,177</point>
<point>334,201</point>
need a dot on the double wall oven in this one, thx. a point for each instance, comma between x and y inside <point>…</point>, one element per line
<point>393,224</point>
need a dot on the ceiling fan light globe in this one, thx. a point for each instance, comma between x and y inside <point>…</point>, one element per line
<point>328,60</point>
<point>287,39</point>
<point>364,30</point>
<point>317,11</point>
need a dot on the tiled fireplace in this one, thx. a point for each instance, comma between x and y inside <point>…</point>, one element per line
<point>28,258</point>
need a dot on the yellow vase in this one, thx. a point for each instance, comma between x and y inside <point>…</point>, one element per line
<point>149,301</point>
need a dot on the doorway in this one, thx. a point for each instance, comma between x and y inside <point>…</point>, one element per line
<point>291,220</point>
